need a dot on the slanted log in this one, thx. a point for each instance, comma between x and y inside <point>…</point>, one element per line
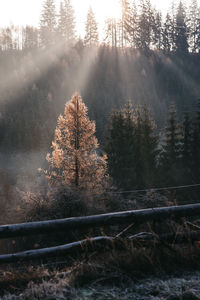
<point>73,248</point>
<point>102,243</point>
<point>118,218</point>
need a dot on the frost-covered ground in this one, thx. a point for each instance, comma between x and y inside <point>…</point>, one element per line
<point>186,287</point>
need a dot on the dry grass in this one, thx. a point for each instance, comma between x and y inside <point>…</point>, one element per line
<point>132,273</point>
<point>109,285</point>
<point>129,273</point>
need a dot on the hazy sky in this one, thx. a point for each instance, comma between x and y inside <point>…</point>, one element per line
<point>21,12</point>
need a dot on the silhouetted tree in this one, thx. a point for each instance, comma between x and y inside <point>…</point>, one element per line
<point>66,22</point>
<point>186,140</point>
<point>196,145</point>
<point>171,149</point>
<point>181,31</point>
<point>193,24</point>
<point>120,148</point>
<point>167,38</point>
<point>145,23</point>
<point>149,148</point>
<point>157,30</point>
<point>91,36</point>
<point>111,32</point>
<point>130,23</point>
<point>48,23</point>
<point>132,148</point>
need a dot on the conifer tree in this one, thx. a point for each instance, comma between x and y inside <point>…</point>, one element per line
<point>149,148</point>
<point>74,161</point>
<point>196,145</point>
<point>130,23</point>
<point>167,38</point>
<point>30,38</point>
<point>186,140</point>
<point>66,22</point>
<point>157,30</point>
<point>91,37</point>
<point>125,8</point>
<point>173,26</point>
<point>48,23</point>
<point>120,148</point>
<point>171,149</point>
<point>193,24</point>
<point>111,32</point>
<point>132,148</point>
<point>145,23</point>
<point>181,31</point>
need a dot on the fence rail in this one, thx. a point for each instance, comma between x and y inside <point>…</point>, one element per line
<point>119,218</point>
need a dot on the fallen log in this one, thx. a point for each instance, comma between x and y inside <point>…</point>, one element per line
<point>118,218</point>
<point>102,243</point>
<point>75,247</point>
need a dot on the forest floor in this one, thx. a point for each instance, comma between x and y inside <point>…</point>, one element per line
<point>131,274</point>
<point>58,284</point>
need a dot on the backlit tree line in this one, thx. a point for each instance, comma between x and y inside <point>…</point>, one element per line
<point>141,26</point>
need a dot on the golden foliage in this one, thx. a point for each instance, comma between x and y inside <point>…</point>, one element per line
<point>74,161</point>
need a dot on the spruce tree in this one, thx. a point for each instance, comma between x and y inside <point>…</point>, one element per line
<point>74,161</point>
<point>66,22</point>
<point>149,148</point>
<point>145,24</point>
<point>130,23</point>
<point>186,140</point>
<point>91,36</point>
<point>167,38</point>
<point>120,148</point>
<point>196,145</point>
<point>48,23</point>
<point>157,30</point>
<point>181,31</point>
<point>171,153</point>
<point>30,38</point>
<point>132,148</point>
<point>193,24</point>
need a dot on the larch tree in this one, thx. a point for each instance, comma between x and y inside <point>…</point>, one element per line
<point>74,161</point>
<point>91,36</point>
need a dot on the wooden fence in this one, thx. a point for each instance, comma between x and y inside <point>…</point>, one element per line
<point>120,218</point>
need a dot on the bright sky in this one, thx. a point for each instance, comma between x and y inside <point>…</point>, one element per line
<point>21,12</point>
